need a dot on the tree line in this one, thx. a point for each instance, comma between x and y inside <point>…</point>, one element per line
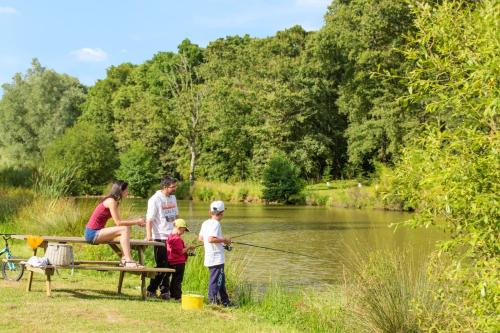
<point>222,112</point>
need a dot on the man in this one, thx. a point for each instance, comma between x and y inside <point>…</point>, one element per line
<point>160,217</point>
<point>213,241</point>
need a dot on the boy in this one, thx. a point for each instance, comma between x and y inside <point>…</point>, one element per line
<point>213,241</point>
<point>177,257</point>
<point>160,217</point>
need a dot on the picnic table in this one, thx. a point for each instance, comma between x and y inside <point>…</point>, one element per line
<point>135,244</point>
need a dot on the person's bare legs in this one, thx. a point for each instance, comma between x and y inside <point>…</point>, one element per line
<point>111,233</point>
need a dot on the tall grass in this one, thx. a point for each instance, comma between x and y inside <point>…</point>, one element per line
<point>383,291</point>
<point>54,184</point>
<point>16,176</point>
<point>11,201</point>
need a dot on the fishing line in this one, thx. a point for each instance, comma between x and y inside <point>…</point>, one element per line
<point>279,250</point>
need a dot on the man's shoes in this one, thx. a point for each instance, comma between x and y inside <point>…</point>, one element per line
<point>150,294</point>
<point>229,305</point>
<point>164,296</point>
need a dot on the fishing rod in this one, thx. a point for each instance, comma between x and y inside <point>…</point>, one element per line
<point>279,250</point>
<point>245,234</point>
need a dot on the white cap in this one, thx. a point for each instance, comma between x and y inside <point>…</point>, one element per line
<point>216,207</point>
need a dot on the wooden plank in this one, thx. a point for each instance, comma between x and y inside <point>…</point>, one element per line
<point>122,269</point>
<point>97,262</point>
<point>13,260</point>
<point>68,239</point>
<point>78,262</point>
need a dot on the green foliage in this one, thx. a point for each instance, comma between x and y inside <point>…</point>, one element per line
<point>281,180</point>
<point>89,151</point>
<point>140,168</point>
<point>450,173</point>
<point>359,40</point>
<point>183,191</point>
<point>36,108</point>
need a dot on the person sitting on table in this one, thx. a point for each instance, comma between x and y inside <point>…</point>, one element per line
<point>95,231</point>
<point>177,257</point>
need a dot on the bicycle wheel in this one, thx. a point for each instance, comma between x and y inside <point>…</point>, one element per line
<point>12,271</point>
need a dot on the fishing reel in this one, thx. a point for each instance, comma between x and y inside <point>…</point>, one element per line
<point>228,247</point>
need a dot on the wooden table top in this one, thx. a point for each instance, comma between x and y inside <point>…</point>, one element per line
<point>68,239</point>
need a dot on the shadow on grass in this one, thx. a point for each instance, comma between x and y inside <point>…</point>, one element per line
<point>82,293</point>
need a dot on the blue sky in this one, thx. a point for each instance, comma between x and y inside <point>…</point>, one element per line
<point>83,38</point>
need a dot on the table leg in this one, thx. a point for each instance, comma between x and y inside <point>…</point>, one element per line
<point>141,249</point>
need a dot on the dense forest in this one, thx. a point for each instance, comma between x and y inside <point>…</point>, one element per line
<point>330,100</point>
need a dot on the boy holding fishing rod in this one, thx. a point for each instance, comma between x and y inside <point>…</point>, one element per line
<point>213,242</point>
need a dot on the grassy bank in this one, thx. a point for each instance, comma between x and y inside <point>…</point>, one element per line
<point>337,193</point>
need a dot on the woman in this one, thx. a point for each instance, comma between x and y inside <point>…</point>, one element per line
<point>95,231</point>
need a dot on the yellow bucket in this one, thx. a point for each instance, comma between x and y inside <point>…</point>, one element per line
<point>192,301</point>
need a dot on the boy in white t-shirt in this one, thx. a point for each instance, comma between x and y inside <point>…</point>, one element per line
<point>213,241</point>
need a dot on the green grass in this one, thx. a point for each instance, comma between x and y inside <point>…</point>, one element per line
<point>86,303</point>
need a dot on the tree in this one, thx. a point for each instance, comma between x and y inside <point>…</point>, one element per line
<point>281,180</point>
<point>449,173</point>
<point>140,168</point>
<point>89,150</point>
<point>361,36</point>
<point>189,112</point>
<point>35,109</point>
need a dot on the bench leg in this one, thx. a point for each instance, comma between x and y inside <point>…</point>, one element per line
<point>47,282</point>
<point>30,276</point>
<point>120,282</point>
<point>30,281</point>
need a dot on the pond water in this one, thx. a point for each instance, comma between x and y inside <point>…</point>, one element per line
<point>330,235</point>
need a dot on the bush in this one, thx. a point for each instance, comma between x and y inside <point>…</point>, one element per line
<point>139,168</point>
<point>281,180</point>
<point>87,149</point>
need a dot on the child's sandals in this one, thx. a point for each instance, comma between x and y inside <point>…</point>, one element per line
<point>130,264</point>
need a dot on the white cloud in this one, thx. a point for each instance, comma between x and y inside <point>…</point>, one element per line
<point>7,10</point>
<point>313,3</point>
<point>88,54</point>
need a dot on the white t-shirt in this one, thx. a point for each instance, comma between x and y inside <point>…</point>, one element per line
<point>162,211</point>
<point>214,252</point>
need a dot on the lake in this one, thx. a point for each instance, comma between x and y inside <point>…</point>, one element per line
<point>331,235</point>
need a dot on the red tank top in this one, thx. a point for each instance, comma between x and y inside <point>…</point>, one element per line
<point>99,217</point>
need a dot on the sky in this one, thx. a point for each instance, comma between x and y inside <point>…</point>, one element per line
<point>83,38</point>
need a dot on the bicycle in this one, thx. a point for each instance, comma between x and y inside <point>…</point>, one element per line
<point>11,271</point>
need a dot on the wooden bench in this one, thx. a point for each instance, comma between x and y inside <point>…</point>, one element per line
<point>135,244</point>
<point>49,270</point>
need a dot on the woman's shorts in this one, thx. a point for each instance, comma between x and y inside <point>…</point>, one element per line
<point>91,235</point>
